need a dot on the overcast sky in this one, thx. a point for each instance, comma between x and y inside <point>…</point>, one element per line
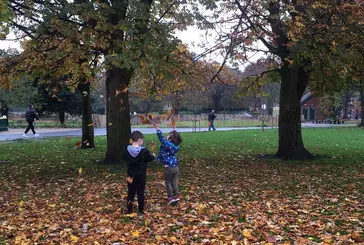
<point>193,37</point>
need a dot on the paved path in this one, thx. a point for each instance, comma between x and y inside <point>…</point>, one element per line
<point>13,134</point>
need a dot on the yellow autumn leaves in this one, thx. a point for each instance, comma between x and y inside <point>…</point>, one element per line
<point>150,118</point>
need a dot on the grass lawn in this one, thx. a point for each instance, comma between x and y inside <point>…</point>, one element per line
<point>230,195</point>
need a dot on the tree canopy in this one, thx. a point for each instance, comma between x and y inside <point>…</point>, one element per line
<point>303,38</point>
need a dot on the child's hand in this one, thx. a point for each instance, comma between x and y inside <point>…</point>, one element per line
<point>155,125</point>
<point>129,179</point>
<point>154,155</point>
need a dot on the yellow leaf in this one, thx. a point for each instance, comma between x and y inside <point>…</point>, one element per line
<point>215,230</point>
<point>18,239</point>
<point>158,237</point>
<point>52,205</point>
<point>96,243</point>
<point>173,238</point>
<point>201,207</point>
<point>74,238</point>
<point>173,123</point>
<point>21,203</point>
<point>80,171</point>
<point>135,234</point>
<point>247,233</point>
<point>181,48</point>
<point>160,76</point>
<point>125,90</point>
<point>291,35</point>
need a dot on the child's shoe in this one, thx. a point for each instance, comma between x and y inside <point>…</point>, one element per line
<point>176,198</point>
<point>170,200</point>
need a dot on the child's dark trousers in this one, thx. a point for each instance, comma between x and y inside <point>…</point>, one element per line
<point>138,187</point>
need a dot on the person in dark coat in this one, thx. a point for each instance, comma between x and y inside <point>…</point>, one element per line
<point>30,115</point>
<point>211,120</point>
<point>137,158</point>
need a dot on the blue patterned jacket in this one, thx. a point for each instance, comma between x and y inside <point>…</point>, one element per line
<point>167,151</point>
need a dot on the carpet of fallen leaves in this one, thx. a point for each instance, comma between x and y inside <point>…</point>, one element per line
<point>231,201</point>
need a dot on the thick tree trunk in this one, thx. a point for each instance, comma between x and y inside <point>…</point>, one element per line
<point>61,115</point>
<point>117,115</point>
<point>87,124</point>
<point>118,79</point>
<point>294,82</point>
<point>361,108</point>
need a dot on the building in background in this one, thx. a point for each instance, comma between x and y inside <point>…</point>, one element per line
<point>310,110</point>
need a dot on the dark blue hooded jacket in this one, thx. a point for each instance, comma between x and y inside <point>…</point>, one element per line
<point>167,152</point>
<point>137,159</point>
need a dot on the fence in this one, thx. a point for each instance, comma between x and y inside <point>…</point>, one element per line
<point>197,122</point>
<point>17,120</point>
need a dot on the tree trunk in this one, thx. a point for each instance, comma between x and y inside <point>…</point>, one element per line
<point>361,108</point>
<point>216,102</point>
<point>118,79</point>
<point>346,99</point>
<point>87,124</point>
<point>117,114</point>
<point>294,82</point>
<point>61,115</point>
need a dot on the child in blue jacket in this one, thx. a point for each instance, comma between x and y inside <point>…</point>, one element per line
<point>167,156</point>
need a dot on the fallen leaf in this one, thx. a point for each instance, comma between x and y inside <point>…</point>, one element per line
<point>74,238</point>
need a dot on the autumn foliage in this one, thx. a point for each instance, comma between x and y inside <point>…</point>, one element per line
<point>61,197</point>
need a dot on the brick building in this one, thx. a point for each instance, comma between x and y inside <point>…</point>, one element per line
<point>309,108</point>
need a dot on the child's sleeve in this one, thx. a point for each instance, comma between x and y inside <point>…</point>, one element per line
<point>147,156</point>
<point>161,137</point>
<point>128,164</point>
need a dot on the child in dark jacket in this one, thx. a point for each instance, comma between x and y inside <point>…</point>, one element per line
<point>137,158</point>
<point>167,156</point>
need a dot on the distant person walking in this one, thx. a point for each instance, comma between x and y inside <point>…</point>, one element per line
<point>30,115</point>
<point>211,120</point>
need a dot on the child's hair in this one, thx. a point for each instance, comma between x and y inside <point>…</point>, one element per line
<point>136,135</point>
<point>175,137</point>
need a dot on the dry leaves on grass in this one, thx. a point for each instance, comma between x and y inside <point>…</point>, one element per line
<point>222,203</point>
